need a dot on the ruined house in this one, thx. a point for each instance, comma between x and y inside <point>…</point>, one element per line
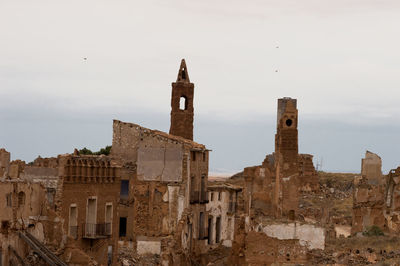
<point>81,193</point>
<point>221,210</point>
<point>166,187</point>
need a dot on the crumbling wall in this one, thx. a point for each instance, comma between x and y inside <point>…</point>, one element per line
<point>308,176</point>
<point>310,236</point>
<point>4,162</point>
<point>264,250</point>
<point>16,169</point>
<point>258,192</point>
<point>368,195</point>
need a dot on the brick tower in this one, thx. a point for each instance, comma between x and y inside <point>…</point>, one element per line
<point>286,159</point>
<point>286,138</point>
<point>182,104</point>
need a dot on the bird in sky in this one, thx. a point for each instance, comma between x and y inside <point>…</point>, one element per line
<point>85,58</point>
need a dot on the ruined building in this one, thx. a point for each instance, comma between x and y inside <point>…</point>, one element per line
<point>164,191</point>
<point>272,188</point>
<point>221,210</point>
<point>376,197</point>
<point>369,194</point>
<point>148,196</point>
<point>267,230</point>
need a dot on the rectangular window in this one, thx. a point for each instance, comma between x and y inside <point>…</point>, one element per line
<point>124,189</point>
<point>122,226</point>
<point>91,217</point>
<point>204,156</point>
<point>193,154</point>
<point>108,218</point>
<point>201,225</point>
<point>210,226</point>
<point>50,194</point>
<point>212,196</point>
<point>229,229</point>
<point>203,189</point>
<point>219,196</point>
<point>73,221</point>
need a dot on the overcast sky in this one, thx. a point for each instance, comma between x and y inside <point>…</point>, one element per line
<point>340,59</point>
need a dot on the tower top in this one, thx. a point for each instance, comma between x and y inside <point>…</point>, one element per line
<point>183,75</point>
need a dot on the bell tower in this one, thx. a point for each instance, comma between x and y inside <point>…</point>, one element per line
<point>182,112</point>
<point>286,138</point>
<point>286,159</point>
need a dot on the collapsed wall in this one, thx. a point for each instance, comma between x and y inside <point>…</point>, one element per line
<point>368,195</point>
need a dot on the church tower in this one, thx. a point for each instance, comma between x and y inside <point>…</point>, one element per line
<point>286,159</point>
<point>182,111</point>
<point>286,138</point>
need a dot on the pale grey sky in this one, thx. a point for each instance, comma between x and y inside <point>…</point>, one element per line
<point>340,59</point>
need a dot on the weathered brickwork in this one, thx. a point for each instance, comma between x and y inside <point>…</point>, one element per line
<point>182,111</point>
<point>273,188</point>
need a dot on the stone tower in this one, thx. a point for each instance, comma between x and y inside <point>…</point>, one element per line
<point>286,159</point>
<point>182,111</point>
<point>286,139</point>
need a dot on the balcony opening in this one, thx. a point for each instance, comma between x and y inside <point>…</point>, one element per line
<point>122,226</point>
<point>73,221</point>
<point>108,218</point>
<point>218,230</point>
<point>91,217</point>
<point>210,227</point>
<point>194,193</point>
<point>201,225</point>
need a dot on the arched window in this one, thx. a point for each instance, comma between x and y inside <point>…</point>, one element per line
<point>21,198</point>
<point>183,103</point>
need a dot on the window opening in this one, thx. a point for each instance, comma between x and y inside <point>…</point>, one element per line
<point>124,189</point>
<point>183,103</point>
<point>21,198</point>
<point>218,230</point>
<point>210,226</point>
<point>122,226</point>
<point>201,225</point>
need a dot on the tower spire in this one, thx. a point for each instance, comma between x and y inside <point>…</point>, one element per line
<point>183,75</point>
